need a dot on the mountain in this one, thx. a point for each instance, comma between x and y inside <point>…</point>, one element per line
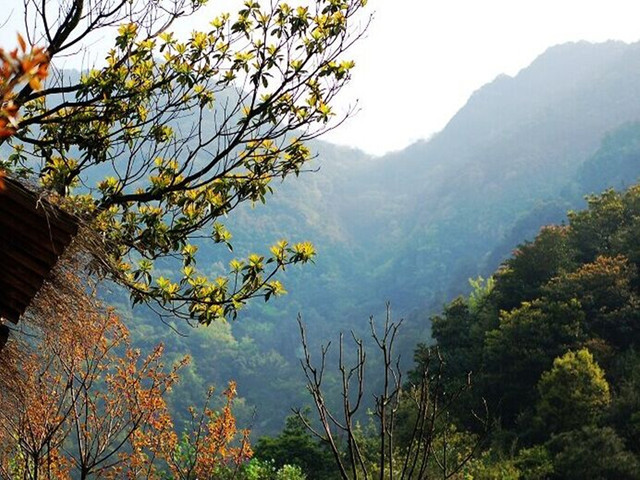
<point>411,227</point>
<point>516,144</point>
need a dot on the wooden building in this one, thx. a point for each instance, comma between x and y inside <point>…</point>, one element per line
<point>33,235</point>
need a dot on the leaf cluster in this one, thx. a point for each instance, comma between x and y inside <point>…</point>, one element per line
<point>154,148</point>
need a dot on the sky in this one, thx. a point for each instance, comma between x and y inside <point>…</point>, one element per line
<point>422,59</point>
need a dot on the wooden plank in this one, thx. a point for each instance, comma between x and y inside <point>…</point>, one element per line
<point>33,234</point>
<point>13,270</point>
<point>31,229</point>
<point>4,336</point>
<point>21,292</point>
<point>42,253</point>
<point>15,281</point>
<point>37,260</point>
<point>10,314</point>
<point>29,238</point>
<point>12,305</point>
<point>36,216</point>
<point>28,200</point>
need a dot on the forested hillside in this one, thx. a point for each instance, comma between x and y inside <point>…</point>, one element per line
<point>411,227</point>
<point>552,343</point>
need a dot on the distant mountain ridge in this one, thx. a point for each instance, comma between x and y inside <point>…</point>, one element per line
<point>516,142</point>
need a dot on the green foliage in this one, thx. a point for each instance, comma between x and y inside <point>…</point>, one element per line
<point>607,298</point>
<point>263,470</point>
<point>522,347</point>
<point>561,300</point>
<point>486,188</point>
<point>534,463</point>
<point>477,191</point>
<point>531,266</point>
<point>594,229</point>
<point>296,446</point>
<point>290,472</point>
<point>481,289</point>
<point>486,468</point>
<point>573,393</point>
<point>155,147</point>
<point>258,470</point>
<point>592,453</point>
<point>456,332</point>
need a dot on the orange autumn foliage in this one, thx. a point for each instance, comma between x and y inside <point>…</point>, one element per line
<point>76,401</point>
<point>19,66</point>
<point>210,441</point>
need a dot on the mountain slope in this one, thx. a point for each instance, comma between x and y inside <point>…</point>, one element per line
<point>412,226</point>
<point>515,144</point>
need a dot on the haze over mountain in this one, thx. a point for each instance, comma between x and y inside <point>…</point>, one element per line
<point>411,227</point>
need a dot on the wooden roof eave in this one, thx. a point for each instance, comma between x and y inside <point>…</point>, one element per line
<point>33,235</point>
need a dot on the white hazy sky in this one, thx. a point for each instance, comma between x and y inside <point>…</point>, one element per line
<point>422,59</point>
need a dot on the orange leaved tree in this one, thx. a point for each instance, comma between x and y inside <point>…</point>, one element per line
<point>77,402</point>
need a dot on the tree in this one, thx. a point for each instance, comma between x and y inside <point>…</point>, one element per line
<point>604,289</point>
<point>527,341</point>
<point>532,265</point>
<point>593,229</point>
<point>266,470</point>
<point>460,332</point>
<point>152,149</point>
<point>454,330</point>
<point>208,449</point>
<point>428,444</point>
<point>573,393</point>
<point>592,453</point>
<point>295,445</point>
<point>76,401</point>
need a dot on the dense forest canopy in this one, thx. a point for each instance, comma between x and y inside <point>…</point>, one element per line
<point>553,343</point>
